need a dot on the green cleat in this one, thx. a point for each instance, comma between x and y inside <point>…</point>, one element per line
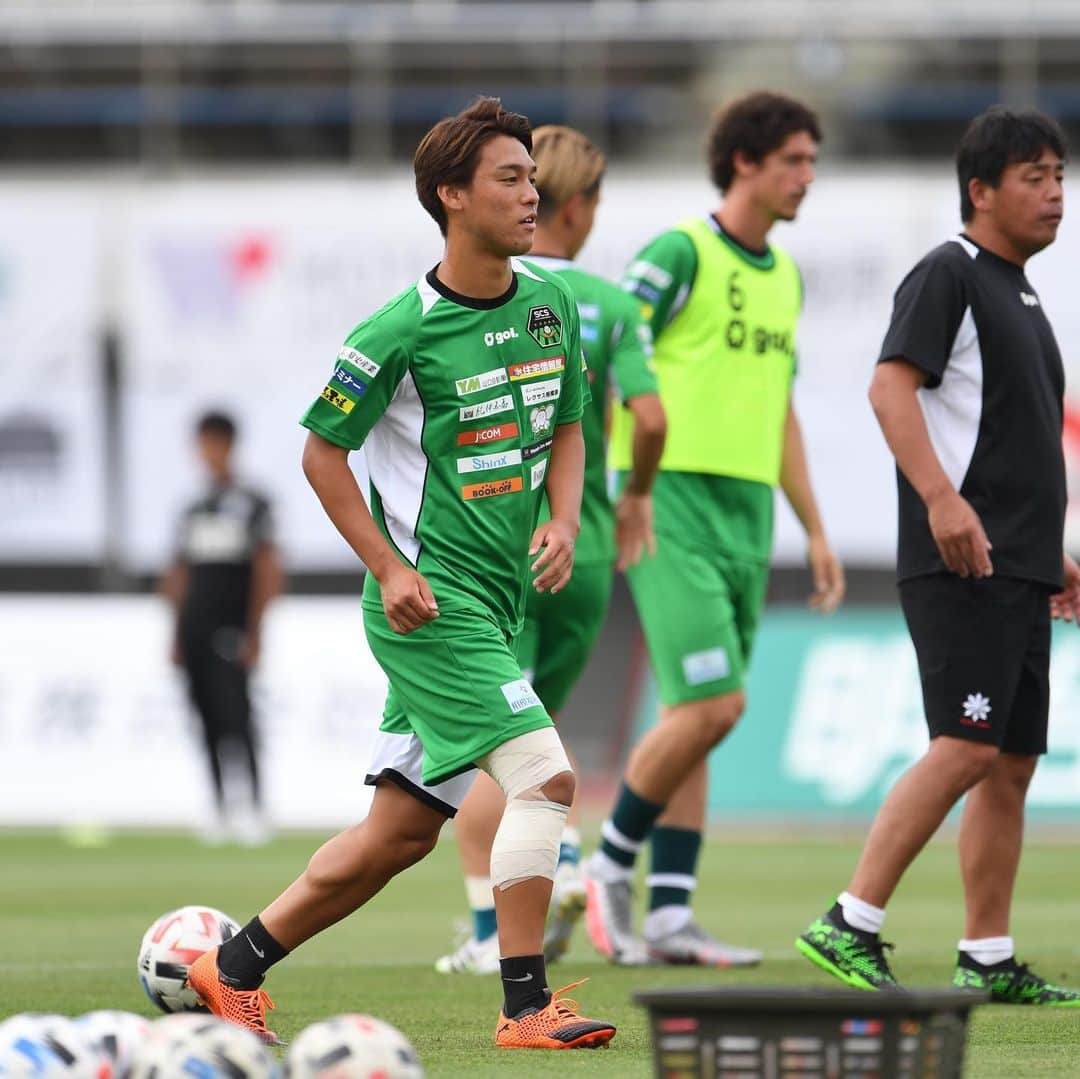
<point>856,958</point>
<point>1010,982</point>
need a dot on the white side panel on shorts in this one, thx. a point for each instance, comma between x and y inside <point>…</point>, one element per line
<point>953,411</point>
<point>397,465</point>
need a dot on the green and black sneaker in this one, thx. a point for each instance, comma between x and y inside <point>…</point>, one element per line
<point>1011,982</point>
<point>855,957</point>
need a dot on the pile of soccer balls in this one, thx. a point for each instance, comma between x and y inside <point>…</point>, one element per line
<point>188,1042</point>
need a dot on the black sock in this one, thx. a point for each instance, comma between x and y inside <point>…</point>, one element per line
<point>836,913</point>
<point>244,960</point>
<point>524,979</point>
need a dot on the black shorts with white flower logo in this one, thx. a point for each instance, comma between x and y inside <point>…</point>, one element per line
<point>984,658</point>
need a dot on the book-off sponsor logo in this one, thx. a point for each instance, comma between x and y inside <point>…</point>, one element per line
<point>492,488</point>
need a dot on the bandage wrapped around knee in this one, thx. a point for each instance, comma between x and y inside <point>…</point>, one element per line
<point>527,842</point>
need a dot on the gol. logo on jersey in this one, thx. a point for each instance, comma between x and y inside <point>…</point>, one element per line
<point>544,326</point>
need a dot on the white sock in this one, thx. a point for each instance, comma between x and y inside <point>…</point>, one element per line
<point>665,920</point>
<point>478,892</point>
<point>861,915</point>
<point>988,950</point>
<point>606,869</point>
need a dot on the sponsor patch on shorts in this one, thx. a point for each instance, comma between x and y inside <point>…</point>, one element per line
<point>536,393</point>
<point>483,381</point>
<point>486,408</point>
<point>533,368</point>
<point>359,361</point>
<point>338,400</point>
<point>708,666</point>
<point>484,435</point>
<point>484,462</point>
<point>520,695</point>
<point>492,488</point>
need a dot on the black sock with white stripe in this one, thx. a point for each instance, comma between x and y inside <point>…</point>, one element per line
<point>625,830</point>
<point>244,960</point>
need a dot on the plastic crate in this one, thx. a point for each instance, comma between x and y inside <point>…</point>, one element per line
<point>760,1033</point>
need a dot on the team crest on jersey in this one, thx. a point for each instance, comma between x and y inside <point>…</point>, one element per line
<point>544,326</point>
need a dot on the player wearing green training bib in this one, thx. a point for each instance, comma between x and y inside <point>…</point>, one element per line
<point>723,304</point>
<point>561,629</point>
<point>466,392</point>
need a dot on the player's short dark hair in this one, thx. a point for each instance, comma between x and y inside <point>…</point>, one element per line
<point>998,138</point>
<point>448,153</point>
<point>220,424</point>
<point>755,125</point>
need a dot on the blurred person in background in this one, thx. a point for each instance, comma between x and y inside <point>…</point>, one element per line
<point>968,391</point>
<point>723,304</point>
<point>561,629</point>
<point>223,578</point>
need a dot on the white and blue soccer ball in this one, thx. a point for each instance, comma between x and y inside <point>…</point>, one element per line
<point>171,945</point>
<point>352,1047</point>
<point>38,1046</point>
<point>116,1035</point>
<point>202,1047</point>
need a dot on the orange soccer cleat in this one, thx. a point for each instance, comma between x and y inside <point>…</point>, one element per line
<point>557,1026</point>
<point>245,1007</point>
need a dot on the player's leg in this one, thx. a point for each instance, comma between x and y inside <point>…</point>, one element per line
<point>342,875</point>
<point>685,606</point>
<point>468,705</point>
<point>198,666</point>
<point>670,931</point>
<point>970,656</point>
<point>991,837</point>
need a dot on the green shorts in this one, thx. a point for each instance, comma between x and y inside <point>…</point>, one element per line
<point>699,611</point>
<point>560,632</point>
<point>456,686</point>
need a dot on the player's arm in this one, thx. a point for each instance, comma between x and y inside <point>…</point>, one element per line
<point>955,526</point>
<point>173,587</point>
<point>407,597</point>
<point>828,574</point>
<point>661,277</point>
<point>635,381</point>
<point>928,310</point>
<point>366,376</point>
<point>554,540</point>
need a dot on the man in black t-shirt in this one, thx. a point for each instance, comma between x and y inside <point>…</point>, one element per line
<point>225,573</point>
<point>968,392</point>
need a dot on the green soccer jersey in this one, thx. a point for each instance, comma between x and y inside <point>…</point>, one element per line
<point>618,350</point>
<point>724,321</point>
<point>455,401</point>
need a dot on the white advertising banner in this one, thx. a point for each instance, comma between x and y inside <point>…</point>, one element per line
<point>51,422</point>
<point>96,729</point>
<point>238,293</point>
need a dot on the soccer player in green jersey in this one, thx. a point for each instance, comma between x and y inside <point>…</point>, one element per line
<point>442,387</point>
<point>723,303</point>
<point>561,628</point>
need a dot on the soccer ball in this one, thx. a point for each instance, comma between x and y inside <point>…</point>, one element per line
<point>116,1035</point>
<point>35,1046</point>
<point>171,945</point>
<point>182,1046</point>
<point>352,1047</point>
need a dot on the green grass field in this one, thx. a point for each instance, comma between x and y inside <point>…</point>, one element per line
<point>71,919</point>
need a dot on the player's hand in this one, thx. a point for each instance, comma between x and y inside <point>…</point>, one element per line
<point>1066,604</point>
<point>829,582</point>
<point>634,529</point>
<point>407,599</point>
<point>251,649</point>
<point>553,541</point>
<point>959,536</point>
